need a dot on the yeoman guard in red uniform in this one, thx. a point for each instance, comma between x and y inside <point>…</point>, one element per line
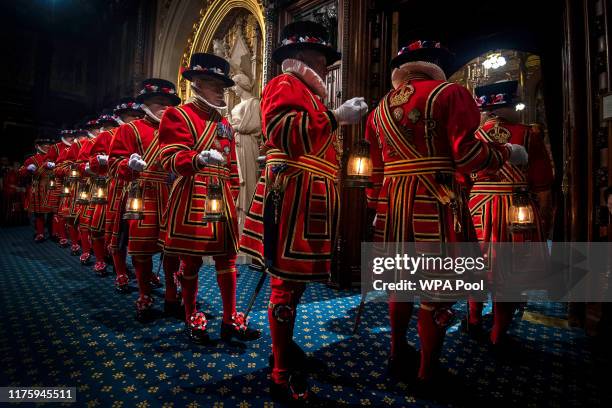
<point>291,223</point>
<point>128,110</point>
<point>198,147</point>
<point>493,193</point>
<point>422,144</point>
<point>38,200</point>
<point>135,150</point>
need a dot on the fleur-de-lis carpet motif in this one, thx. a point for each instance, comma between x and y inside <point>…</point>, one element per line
<point>64,326</point>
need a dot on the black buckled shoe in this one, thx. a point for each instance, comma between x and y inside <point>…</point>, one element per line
<point>295,392</point>
<point>475,331</point>
<point>85,258</point>
<point>196,329</point>
<point>100,269</point>
<point>299,360</point>
<point>239,329</point>
<point>174,309</point>
<point>144,309</point>
<point>122,284</point>
<point>405,365</point>
<point>155,282</point>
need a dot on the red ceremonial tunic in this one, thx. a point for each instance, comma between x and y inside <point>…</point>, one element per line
<point>184,132</point>
<point>141,136</point>
<point>422,141</point>
<point>491,194</point>
<point>38,198</point>
<point>115,193</point>
<point>85,210</point>
<point>291,223</point>
<point>53,155</point>
<point>61,171</point>
<point>101,146</point>
<point>68,206</point>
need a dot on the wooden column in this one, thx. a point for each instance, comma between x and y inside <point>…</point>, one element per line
<point>356,49</point>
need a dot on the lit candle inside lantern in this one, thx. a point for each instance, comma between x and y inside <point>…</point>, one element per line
<point>215,205</point>
<point>135,204</point>
<point>522,214</point>
<point>66,190</point>
<point>52,183</point>
<point>359,167</point>
<point>100,193</point>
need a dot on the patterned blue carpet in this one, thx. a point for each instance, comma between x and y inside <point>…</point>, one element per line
<point>63,326</point>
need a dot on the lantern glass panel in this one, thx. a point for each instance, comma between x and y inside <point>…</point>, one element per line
<point>359,166</point>
<point>99,190</point>
<point>134,206</point>
<point>215,206</point>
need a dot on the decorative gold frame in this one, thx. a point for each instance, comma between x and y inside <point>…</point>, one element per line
<point>212,14</point>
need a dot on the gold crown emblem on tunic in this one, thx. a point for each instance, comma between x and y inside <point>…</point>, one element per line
<point>499,134</point>
<point>402,95</point>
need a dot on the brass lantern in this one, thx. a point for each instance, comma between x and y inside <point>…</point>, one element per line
<point>214,206</point>
<point>520,214</point>
<point>83,193</point>
<point>65,190</point>
<point>359,166</point>
<point>99,190</point>
<point>134,206</point>
<point>73,175</point>
<point>52,181</point>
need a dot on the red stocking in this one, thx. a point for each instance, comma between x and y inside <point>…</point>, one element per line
<point>171,266</point>
<point>431,337</point>
<point>144,269</point>
<point>284,299</point>
<point>85,243</point>
<point>40,224</point>
<point>189,283</point>
<point>74,234</point>
<point>502,318</point>
<point>399,315</point>
<point>226,279</point>
<point>475,316</point>
<point>99,250</point>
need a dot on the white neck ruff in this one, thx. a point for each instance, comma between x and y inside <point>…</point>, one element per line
<point>196,95</point>
<point>306,74</point>
<point>412,69</point>
<point>150,114</point>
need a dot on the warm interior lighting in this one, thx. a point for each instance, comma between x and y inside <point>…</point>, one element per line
<point>494,61</point>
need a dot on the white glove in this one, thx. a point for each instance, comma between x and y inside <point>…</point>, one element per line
<point>351,111</point>
<point>102,159</point>
<point>31,167</point>
<point>211,156</point>
<point>136,163</point>
<point>50,165</point>
<point>374,222</point>
<point>518,154</point>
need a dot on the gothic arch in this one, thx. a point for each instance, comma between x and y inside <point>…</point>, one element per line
<point>185,27</point>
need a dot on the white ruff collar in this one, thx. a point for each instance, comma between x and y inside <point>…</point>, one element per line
<point>306,74</point>
<point>411,70</point>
